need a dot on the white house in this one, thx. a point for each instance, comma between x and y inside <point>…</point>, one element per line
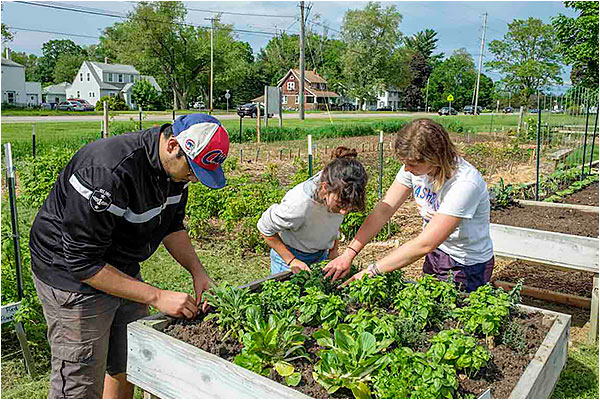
<point>387,98</point>
<point>55,94</point>
<point>95,80</point>
<point>33,92</point>
<point>13,83</point>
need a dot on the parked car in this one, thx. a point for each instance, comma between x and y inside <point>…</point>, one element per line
<point>447,111</point>
<point>534,111</point>
<point>347,107</point>
<point>471,109</point>
<point>87,106</point>
<point>507,110</point>
<point>249,110</point>
<point>70,105</point>
<point>198,105</point>
<point>384,108</point>
<point>557,111</point>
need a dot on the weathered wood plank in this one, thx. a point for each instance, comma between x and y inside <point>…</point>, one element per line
<point>593,334</point>
<point>574,252</point>
<point>578,207</point>
<point>541,375</point>
<point>169,368</point>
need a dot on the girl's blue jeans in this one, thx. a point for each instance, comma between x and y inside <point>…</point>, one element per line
<point>278,265</point>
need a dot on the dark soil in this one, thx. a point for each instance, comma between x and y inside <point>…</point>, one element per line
<point>570,282</point>
<point>501,375</point>
<point>507,365</point>
<point>586,197</point>
<point>548,219</point>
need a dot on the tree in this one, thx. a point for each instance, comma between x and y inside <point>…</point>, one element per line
<point>7,35</point>
<point>66,67</point>
<point>527,57</point>
<point>115,103</point>
<point>578,41</point>
<point>29,61</point>
<point>457,76</point>
<point>144,94</point>
<point>51,51</point>
<point>371,36</point>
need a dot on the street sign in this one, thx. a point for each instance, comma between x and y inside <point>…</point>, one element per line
<point>450,97</point>
<point>227,95</point>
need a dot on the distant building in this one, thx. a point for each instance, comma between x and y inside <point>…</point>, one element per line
<point>95,80</point>
<point>13,83</point>
<point>316,92</point>
<point>55,94</point>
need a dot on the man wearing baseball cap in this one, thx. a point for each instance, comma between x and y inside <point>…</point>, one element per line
<point>111,207</point>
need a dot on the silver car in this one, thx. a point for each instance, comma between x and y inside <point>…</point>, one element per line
<point>70,105</point>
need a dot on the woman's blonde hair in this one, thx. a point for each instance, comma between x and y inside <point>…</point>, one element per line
<point>424,140</point>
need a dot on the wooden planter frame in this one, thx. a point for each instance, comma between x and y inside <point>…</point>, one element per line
<point>166,367</point>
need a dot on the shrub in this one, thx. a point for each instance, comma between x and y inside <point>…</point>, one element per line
<point>115,103</point>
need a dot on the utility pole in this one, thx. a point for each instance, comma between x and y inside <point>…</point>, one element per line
<point>480,62</point>
<point>212,28</point>
<point>301,86</point>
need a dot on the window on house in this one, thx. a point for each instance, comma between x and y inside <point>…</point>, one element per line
<point>310,99</point>
<point>78,95</point>
<point>120,78</point>
<point>297,100</point>
<point>284,99</point>
<point>109,77</point>
<point>291,85</point>
<point>81,76</point>
<point>88,76</point>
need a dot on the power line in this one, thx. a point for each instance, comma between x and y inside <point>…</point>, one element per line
<point>52,32</point>
<point>112,14</point>
<point>243,14</point>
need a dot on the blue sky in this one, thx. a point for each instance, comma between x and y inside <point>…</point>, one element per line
<point>459,24</point>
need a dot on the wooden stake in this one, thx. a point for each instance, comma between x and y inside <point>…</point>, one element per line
<point>257,153</point>
<point>549,295</point>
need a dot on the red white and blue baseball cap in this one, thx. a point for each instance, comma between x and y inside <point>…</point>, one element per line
<point>206,144</point>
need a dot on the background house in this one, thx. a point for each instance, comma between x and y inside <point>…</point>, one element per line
<point>55,94</point>
<point>95,80</point>
<point>387,98</point>
<point>316,92</point>
<point>13,83</point>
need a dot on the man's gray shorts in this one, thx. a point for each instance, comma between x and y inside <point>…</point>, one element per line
<point>88,338</point>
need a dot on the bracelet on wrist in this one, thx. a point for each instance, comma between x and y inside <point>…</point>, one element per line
<point>288,264</point>
<point>350,248</point>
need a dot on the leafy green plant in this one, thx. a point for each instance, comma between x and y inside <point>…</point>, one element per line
<point>412,375</point>
<point>383,325</point>
<point>513,336</point>
<point>462,352</point>
<point>279,296</point>
<point>502,196</point>
<point>429,301</point>
<point>317,308</point>
<point>349,360</point>
<point>369,291</point>
<point>272,343</point>
<point>230,305</point>
<point>487,309</point>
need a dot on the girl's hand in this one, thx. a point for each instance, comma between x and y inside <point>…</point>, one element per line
<point>338,268</point>
<point>297,266</point>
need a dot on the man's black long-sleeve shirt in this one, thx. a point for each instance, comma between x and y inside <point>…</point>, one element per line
<point>112,204</point>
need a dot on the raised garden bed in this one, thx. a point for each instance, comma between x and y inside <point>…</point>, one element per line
<point>586,197</point>
<point>561,220</point>
<point>520,354</point>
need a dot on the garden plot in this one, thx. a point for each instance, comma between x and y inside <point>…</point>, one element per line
<point>585,197</point>
<point>380,337</point>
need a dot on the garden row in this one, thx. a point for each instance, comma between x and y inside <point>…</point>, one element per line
<point>381,337</point>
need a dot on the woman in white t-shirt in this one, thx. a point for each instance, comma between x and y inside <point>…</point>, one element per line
<point>453,201</point>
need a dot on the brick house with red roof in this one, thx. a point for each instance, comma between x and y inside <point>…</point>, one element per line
<point>316,92</point>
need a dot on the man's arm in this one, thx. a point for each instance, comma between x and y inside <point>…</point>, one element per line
<point>112,281</point>
<point>180,247</point>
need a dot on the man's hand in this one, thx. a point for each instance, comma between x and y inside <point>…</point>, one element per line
<point>338,268</point>
<point>356,277</point>
<point>175,304</point>
<point>202,283</point>
<point>333,253</point>
<point>297,266</point>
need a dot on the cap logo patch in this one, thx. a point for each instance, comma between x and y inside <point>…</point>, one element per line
<point>214,157</point>
<point>190,144</point>
<point>100,200</point>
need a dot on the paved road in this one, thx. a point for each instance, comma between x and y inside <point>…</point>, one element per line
<point>167,117</point>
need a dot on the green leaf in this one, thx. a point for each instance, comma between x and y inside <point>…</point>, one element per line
<point>284,368</point>
<point>343,341</point>
<point>293,379</point>
<point>366,343</point>
<point>361,391</point>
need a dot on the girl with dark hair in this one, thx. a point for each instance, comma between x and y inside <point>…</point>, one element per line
<point>453,201</point>
<point>303,229</point>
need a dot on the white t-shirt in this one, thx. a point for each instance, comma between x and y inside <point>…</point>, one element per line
<point>465,195</point>
<point>302,223</point>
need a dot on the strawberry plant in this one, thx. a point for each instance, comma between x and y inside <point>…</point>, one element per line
<point>349,360</point>
<point>317,308</point>
<point>272,343</point>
